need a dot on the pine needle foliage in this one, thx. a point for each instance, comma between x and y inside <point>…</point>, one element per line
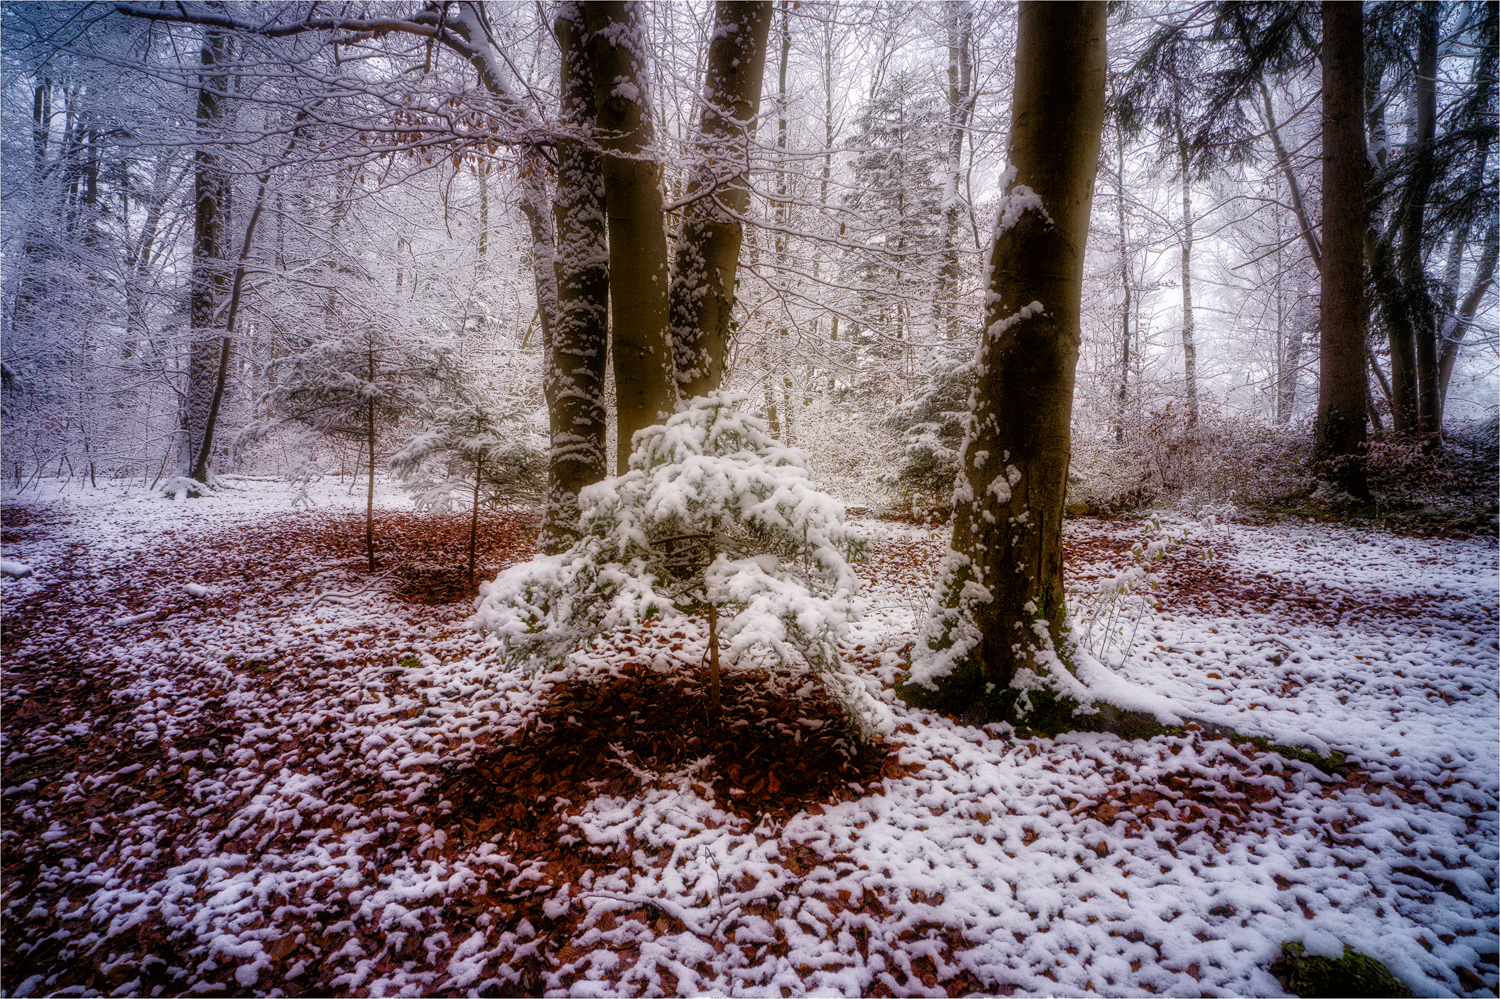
<point>713,519</point>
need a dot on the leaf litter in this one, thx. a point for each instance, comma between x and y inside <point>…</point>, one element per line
<point>305,781</point>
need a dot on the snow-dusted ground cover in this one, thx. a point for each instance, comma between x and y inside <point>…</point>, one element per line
<point>232,762</point>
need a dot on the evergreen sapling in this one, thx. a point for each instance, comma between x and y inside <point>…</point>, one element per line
<point>713,518</point>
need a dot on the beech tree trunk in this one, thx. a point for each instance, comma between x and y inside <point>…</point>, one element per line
<point>645,382</point>
<point>708,246</point>
<point>999,617</point>
<point>577,344</point>
<point>207,354</point>
<point>1342,318</point>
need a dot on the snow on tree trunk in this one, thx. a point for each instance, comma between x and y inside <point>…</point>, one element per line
<point>999,616</point>
<point>645,383</point>
<point>708,248</point>
<point>573,382</point>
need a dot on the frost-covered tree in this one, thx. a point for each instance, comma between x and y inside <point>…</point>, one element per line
<point>471,451</point>
<point>897,204</point>
<point>713,519</point>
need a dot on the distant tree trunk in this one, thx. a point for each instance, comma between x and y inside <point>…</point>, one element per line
<point>783,222</point>
<point>1342,317</point>
<point>960,23</point>
<point>999,614</point>
<point>1294,188</point>
<point>1126,288</point>
<point>1189,348</point>
<point>578,342</point>
<point>708,246</point>
<point>474,513</point>
<point>1289,355</point>
<point>207,354</point>
<point>1455,328</point>
<point>370,485</point>
<point>200,466</point>
<point>645,382</point>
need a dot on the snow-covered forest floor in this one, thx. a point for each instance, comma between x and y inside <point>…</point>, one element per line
<point>234,762</point>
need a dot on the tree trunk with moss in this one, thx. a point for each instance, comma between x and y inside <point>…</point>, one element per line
<point>999,616</point>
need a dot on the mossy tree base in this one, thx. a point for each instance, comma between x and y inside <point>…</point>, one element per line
<point>1353,975</point>
<point>1049,714</point>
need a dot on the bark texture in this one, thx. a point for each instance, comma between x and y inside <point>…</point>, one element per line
<point>578,343</point>
<point>1342,318</point>
<point>999,614</point>
<point>645,381</point>
<point>718,193</point>
<point>207,354</point>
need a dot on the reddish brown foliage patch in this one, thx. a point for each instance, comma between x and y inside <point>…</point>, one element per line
<point>427,552</point>
<point>770,750</point>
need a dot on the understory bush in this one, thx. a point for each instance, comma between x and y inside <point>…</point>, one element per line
<point>1162,457</point>
<point>715,520</point>
<point>1407,471</point>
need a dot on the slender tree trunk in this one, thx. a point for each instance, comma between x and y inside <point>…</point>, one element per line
<point>999,615</point>
<point>474,514</point>
<point>1455,328</point>
<point>1342,317</point>
<point>708,246</point>
<point>1189,348</point>
<point>780,429</point>
<point>1123,394</point>
<point>645,382</point>
<point>370,485</point>
<point>200,466</point>
<point>713,658</point>
<point>1284,162</point>
<point>577,345</point>
<point>209,279</point>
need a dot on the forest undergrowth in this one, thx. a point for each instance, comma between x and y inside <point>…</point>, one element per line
<point>235,762</point>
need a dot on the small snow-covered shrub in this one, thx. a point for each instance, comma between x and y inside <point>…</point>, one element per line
<point>470,451</point>
<point>713,518</point>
